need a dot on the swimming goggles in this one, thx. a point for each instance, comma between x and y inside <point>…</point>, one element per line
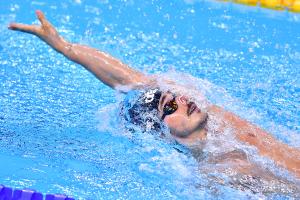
<point>169,108</point>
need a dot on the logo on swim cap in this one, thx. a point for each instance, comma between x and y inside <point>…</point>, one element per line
<point>143,109</point>
<point>149,95</point>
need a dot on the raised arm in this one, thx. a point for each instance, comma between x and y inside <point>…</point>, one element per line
<point>106,68</point>
<point>284,155</point>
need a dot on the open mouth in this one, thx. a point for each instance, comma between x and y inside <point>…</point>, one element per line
<point>192,107</point>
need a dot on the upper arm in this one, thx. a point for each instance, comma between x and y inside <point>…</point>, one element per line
<point>266,144</point>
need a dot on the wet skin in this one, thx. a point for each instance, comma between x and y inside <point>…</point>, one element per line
<point>187,121</point>
<point>186,126</point>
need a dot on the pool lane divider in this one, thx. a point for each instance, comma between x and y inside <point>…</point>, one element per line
<point>7,193</point>
<point>290,5</point>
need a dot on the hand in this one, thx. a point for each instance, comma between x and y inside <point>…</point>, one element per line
<point>45,32</point>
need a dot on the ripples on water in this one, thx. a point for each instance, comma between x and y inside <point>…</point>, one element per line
<point>240,57</point>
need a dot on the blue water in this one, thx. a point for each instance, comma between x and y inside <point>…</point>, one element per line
<point>58,126</point>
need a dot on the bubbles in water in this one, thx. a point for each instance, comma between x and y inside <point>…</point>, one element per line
<point>260,86</point>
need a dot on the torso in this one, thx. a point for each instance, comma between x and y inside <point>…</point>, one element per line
<point>244,175</point>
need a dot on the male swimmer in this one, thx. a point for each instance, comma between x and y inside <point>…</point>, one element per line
<point>187,123</point>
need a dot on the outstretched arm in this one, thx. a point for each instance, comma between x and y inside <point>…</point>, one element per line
<point>284,155</point>
<point>106,68</point>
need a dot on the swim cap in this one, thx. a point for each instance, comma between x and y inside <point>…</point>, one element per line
<point>143,110</point>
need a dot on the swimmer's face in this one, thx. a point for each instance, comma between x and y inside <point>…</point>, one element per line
<point>187,118</point>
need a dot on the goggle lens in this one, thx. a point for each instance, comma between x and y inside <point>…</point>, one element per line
<point>169,108</point>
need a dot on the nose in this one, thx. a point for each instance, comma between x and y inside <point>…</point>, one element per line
<point>183,100</point>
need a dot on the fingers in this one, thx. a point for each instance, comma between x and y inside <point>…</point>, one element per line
<point>40,15</point>
<point>24,28</point>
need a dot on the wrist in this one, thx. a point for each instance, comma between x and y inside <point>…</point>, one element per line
<point>57,42</point>
<point>62,46</point>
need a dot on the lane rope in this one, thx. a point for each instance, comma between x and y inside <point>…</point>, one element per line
<point>7,193</point>
<point>290,5</point>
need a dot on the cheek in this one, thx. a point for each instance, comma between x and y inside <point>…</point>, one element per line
<point>177,124</point>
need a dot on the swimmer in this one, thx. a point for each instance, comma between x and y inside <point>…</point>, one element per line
<point>188,123</point>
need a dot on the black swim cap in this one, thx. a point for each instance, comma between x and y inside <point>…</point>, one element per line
<point>143,111</point>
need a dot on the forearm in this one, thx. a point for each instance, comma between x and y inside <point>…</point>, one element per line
<point>106,68</point>
<point>284,155</point>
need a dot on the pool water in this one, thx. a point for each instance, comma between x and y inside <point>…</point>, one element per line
<point>59,124</point>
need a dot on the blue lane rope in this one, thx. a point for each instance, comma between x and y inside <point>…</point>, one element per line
<point>7,193</point>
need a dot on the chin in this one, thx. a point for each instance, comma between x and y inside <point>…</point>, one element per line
<point>202,119</point>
